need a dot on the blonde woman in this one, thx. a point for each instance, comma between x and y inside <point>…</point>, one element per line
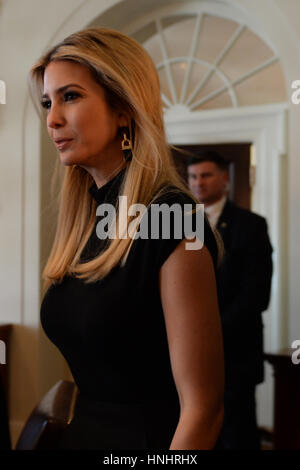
<point>135,317</point>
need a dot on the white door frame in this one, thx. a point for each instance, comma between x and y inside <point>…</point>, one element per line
<point>264,126</point>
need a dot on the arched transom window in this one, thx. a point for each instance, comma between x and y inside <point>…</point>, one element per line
<point>206,61</point>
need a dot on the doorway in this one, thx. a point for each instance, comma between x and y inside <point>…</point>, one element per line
<point>238,155</point>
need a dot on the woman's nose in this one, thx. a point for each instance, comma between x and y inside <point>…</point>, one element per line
<point>55,117</point>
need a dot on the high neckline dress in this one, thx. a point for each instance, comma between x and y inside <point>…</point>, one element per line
<point>112,334</point>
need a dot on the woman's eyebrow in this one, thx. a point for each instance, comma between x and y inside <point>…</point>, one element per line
<point>62,89</point>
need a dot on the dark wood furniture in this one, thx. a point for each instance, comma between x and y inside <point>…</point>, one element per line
<point>286,399</point>
<point>49,418</point>
<point>5,335</point>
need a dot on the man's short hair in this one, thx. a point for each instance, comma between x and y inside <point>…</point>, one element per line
<point>208,156</point>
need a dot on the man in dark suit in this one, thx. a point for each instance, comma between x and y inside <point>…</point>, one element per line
<point>244,283</point>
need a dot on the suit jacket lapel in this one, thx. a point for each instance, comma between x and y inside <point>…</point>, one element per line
<point>225,219</point>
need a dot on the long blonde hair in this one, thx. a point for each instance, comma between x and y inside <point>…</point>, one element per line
<point>126,72</point>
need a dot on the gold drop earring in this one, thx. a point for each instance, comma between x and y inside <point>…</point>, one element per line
<point>126,144</point>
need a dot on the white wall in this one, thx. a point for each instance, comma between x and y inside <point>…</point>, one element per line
<point>290,11</point>
<point>27,27</point>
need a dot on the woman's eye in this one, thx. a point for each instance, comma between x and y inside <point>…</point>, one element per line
<point>71,95</point>
<point>46,104</point>
<point>68,96</point>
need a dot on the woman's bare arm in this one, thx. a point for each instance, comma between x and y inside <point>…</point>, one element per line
<point>189,300</point>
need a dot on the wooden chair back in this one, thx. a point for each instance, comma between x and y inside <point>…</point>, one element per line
<point>49,418</point>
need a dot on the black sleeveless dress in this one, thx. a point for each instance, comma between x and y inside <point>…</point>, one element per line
<point>112,334</point>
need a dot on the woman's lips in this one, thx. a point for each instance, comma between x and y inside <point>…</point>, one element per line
<point>62,144</point>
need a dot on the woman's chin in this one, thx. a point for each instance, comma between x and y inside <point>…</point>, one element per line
<point>68,160</point>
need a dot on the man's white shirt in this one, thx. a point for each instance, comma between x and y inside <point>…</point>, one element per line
<point>214,211</point>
